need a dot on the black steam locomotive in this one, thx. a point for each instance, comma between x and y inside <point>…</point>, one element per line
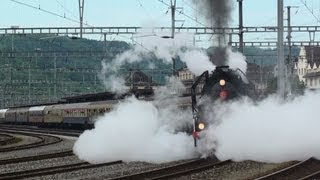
<point>222,84</point>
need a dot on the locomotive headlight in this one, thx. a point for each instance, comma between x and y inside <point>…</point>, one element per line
<point>222,82</point>
<point>201,126</point>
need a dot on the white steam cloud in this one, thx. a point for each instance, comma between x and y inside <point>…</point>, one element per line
<point>197,61</point>
<point>173,87</point>
<point>269,131</point>
<point>136,131</point>
<point>236,60</point>
<point>150,46</point>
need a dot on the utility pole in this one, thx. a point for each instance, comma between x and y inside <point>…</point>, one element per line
<point>289,63</point>
<point>240,26</point>
<point>312,36</point>
<point>173,17</point>
<point>230,40</point>
<point>280,52</point>
<point>11,91</point>
<point>81,7</point>
<point>105,42</point>
<point>289,32</point>
<point>29,82</point>
<point>55,78</point>
<point>12,44</point>
<point>173,26</point>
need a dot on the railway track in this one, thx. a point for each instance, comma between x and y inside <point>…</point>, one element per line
<point>36,158</point>
<point>313,176</point>
<point>190,167</point>
<point>6,139</point>
<point>43,140</point>
<point>53,170</point>
<point>62,132</point>
<point>306,169</point>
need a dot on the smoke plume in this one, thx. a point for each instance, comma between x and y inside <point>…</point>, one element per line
<point>218,14</point>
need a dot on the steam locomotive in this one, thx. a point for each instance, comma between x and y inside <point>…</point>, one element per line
<point>223,84</point>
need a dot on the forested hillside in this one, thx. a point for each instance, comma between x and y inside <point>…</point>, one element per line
<point>53,76</point>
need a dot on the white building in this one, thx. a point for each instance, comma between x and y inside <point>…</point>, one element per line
<point>308,66</point>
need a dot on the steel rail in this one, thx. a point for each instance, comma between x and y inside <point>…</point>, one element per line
<point>178,170</point>
<point>40,143</point>
<point>53,170</point>
<point>297,170</point>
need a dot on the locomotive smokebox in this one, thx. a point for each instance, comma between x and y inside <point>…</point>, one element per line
<point>222,84</point>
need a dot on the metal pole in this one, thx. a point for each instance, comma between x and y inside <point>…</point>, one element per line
<point>49,93</point>
<point>29,82</point>
<point>81,7</point>
<point>173,26</point>
<point>12,44</point>
<point>289,63</point>
<point>55,78</point>
<point>48,86</point>
<point>12,93</point>
<point>173,17</point>
<point>105,42</point>
<point>240,26</point>
<point>312,37</point>
<point>230,40</point>
<point>280,52</point>
<point>289,33</point>
<point>131,78</point>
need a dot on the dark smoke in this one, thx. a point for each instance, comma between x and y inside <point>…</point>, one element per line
<point>217,14</point>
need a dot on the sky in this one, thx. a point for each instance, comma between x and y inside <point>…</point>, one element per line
<point>149,12</point>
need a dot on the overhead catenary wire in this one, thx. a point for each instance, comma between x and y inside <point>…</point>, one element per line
<point>73,20</point>
<point>190,6</point>
<point>310,10</point>
<point>46,11</point>
<point>144,8</point>
<point>181,12</point>
<point>66,9</point>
